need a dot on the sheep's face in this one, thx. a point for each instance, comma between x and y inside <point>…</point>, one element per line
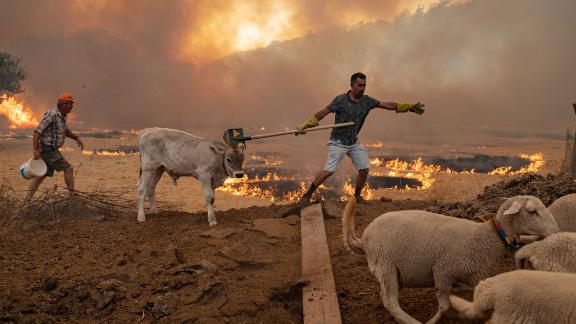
<point>527,215</point>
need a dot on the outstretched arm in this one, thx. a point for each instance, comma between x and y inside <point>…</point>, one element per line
<point>322,113</point>
<point>313,121</point>
<point>388,105</point>
<point>417,108</point>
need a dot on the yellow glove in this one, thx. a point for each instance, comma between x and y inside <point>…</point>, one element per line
<point>312,122</point>
<point>417,108</point>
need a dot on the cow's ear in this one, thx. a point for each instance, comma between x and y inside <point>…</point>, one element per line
<point>240,147</point>
<point>216,150</point>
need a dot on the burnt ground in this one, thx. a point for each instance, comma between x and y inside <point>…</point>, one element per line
<point>172,267</point>
<point>93,268</point>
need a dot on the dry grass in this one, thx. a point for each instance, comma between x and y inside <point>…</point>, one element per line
<point>8,203</point>
<point>49,205</point>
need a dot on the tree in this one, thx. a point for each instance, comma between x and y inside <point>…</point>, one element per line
<point>11,74</point>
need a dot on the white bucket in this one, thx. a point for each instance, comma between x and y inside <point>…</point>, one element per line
<point>33,168</point>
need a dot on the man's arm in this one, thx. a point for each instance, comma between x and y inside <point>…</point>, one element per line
<point>388,105</point>
<point>36,145</point>
<point>44,123</point>
<point>313,121</point>
<point>75,137</point>
<point>322,113</point>
<point>417,108</point>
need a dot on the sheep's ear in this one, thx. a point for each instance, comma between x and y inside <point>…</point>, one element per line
<point>514,209</point>
<point>216,150</point>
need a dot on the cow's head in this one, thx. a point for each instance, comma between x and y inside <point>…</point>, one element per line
<point>233,159</point>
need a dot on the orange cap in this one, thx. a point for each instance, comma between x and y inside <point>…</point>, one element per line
<point>65,97</point>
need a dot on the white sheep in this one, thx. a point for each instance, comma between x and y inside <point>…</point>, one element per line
<point>414,248</point>
<point>564,211</point>
<point>555,253</point>
<point>522,296</point>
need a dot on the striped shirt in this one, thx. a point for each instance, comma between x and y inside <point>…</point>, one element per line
<point>52,129</point>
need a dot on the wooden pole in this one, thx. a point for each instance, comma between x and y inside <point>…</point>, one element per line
<point>320,301</point>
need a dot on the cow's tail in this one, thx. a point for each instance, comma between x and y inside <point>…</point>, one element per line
<point>351,241</point>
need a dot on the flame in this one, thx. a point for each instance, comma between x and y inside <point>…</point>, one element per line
<point>415,169</point>
<point>375,145</point>
<point>108,153</point>
<point>266,161</point>
<point>18,115</point>
<point>249,187</point>
<point>424,173</point>
<point>349,190</point>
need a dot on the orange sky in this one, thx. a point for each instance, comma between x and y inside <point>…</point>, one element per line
<point>212,29</point>
<point>219,64</point>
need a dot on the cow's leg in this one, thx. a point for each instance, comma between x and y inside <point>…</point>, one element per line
<point>209,196</point>
<point>143,187</point>
<point>152,190</point>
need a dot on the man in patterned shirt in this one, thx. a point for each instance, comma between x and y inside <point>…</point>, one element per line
<point>49,137</point>
<point>352,106</point>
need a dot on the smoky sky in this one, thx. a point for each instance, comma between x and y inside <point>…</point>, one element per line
<point>484,63</point>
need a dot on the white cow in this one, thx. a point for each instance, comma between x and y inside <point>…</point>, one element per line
<point>182,154</point>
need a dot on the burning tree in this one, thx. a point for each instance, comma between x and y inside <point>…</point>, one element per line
<point>11,74</point>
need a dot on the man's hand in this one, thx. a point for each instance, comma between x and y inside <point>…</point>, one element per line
<point>312,122</point>
<point>80,143</point>
<point>36,153</point>
<point>417,108</point>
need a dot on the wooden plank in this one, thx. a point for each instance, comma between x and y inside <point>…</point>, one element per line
<point>320,301</point>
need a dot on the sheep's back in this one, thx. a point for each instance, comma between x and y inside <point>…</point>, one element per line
<point>564,211</point>
<point>416,242</point>
<point>534,296</point>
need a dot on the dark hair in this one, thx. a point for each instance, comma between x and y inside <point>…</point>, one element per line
<point>357,75</point>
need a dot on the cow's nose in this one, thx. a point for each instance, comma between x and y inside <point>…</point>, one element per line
<point>238,174</point>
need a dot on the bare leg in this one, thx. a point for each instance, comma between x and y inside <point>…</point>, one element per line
<point>69,178</point>
<point>34,184</point>
<point>361,179</point>
<point>321,177</point>
<point>209,196</point>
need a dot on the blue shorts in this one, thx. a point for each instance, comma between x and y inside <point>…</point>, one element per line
<point>336,151</point>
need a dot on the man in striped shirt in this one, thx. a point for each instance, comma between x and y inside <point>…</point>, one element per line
<point>48,137</point>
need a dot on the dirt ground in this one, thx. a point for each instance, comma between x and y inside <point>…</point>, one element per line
<point>90,267</point>
<point>173,267</point>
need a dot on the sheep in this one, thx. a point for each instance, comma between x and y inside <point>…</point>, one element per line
<point>522,296</point>
<point>555,253</point>
<point>564,211</point>
<point>414,248</point>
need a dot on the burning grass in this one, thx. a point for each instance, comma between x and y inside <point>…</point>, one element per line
<point>18,115</point>
<point>283,185</point>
